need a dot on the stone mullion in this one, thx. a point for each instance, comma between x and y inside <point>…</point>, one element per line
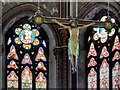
<point>64,68</point>
<point>1,78</point>
<point>1,66</point>
<point>81,77</point>
<point>61,56</point>
<point>57,52</point>
<point>64,64</point>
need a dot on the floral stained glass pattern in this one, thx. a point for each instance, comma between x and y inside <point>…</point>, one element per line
<point>92,79</point>
<point>27,51</point>
<point>12,65</point>
<point>104,52</point>
<point>92,62</point>
<point>41,66</point>
<point>27,36</point>
<point>104,74</point>
<point>106,61</point>
<point>26,78</point>
<point>41,81</point>
<point>12,54</point>
<point>12,80</point>
<point>41,60</point>
<point>116,56</point>
<point>115,77</point>
<point>116,45</point>
<point>102,32</point>
<point>92,51</point>
<point>40,55</point>
<point>26,59</point>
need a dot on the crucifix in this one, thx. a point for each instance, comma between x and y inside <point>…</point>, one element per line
<point>73,25</point>
<point>73,44</point>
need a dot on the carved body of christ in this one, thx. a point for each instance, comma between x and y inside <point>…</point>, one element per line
<point>73,44</point>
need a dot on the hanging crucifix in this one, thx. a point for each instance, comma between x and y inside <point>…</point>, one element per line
<point>73,25</point>
<point>73,43</point>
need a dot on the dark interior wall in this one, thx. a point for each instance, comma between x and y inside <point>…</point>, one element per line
<point>51,7</point>
<point>87,10</point>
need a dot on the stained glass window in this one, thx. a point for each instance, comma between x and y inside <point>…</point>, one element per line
<point>104,74</point>
<point>115,77</point>
<point>92,79</point>
<point>103,57</point>
<point>27,51</point>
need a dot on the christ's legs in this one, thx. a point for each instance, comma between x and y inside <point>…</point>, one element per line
<point>73,44</point>
<point>73,63</point>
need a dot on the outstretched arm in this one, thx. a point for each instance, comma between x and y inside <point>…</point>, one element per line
<point>85,26</point>
<point>65,27</point>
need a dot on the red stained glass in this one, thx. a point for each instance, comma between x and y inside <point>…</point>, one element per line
<point>26,59</point>
<point>104,52</point>
<point>92,62</point>
<point>92,51</point>
<point>12,54</point>
<point>40,55</point>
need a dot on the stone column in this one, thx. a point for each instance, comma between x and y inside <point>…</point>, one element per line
<point>64,64</point>
<point>57,53</point>
<point>1,67</point>
<point>81,78</point>
<point>1,46</point>
<point>61,54</point>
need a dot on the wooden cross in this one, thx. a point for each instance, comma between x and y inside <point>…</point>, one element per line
<point>38,18</point>
<point>73,25</point>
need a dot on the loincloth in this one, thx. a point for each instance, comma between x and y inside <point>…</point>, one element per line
<point>73,46</point>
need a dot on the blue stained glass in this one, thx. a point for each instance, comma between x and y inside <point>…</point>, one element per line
<point>26,36</point>
<point>100,30</point>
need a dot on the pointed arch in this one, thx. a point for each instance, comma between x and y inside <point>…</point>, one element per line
<point>96,11</point>
<point>9,19</point>
<point>106,44</point>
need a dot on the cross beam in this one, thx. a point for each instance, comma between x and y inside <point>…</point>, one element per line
<point>66,21</point>
<point>73,25</point>
<point>38,18</point>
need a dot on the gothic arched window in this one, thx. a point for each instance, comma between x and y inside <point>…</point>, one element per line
<point>103,57</point>
<point>27,53</point>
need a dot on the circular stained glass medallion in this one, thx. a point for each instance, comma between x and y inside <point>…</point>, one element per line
<point>26,36</point>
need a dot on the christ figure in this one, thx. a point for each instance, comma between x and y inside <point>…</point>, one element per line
<point>73,44</point>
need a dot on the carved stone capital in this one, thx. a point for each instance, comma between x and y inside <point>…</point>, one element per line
<point>57,52</point>
<point>64,36</point>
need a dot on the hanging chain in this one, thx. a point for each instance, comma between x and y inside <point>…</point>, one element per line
<point>38,12</point>
<point>38,8</point>
<point>38,5</point>
<point>108,8</point>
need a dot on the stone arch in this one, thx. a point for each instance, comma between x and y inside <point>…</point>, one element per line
<point>88,12</point>
<point>19,12</point>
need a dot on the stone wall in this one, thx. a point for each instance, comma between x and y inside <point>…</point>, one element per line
<point>52,7</point>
